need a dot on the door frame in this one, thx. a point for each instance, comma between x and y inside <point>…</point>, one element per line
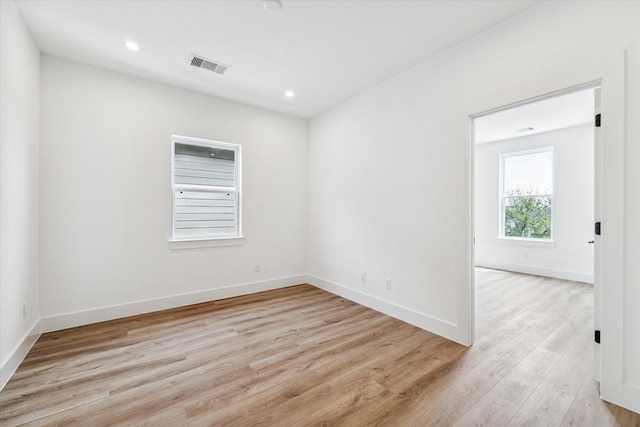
<point>596,86</point>
<point>611,69</point>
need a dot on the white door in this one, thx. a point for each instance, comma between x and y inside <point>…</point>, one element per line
<point>620,298</point>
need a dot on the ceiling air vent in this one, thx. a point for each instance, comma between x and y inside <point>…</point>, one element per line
<point>200,62</point>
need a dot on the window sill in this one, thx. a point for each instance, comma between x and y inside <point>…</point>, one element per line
<point>205,243</point>
<point>547,243</point>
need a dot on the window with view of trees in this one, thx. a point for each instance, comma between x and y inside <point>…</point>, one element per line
<point>527,194</point>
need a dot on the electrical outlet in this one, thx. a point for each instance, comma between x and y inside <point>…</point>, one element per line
<point>25,310</point>
<point>363,277</point>
<point>258,268</point>
<point>526,255</point>
<point>388,285</point>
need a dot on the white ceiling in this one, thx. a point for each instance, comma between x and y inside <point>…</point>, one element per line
<point>325,51</point>
<point>546,115</point>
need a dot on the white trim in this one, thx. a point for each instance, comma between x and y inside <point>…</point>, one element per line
<point>467,292</point>
<point>205,243</point>
<point>101,314</point>
<point>618,267</point>
<point>591,84</point>
<point>204,188</point>
<point>202,142</point>
<point>19,352</point>
<point>421,320</point>
<point>237,190</point>
<point>539,271</point>
<point>522,241</point>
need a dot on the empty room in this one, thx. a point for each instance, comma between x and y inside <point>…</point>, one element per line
<point>279,212</point>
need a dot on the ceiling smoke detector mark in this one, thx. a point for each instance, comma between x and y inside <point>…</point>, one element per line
<point>522,130</point>
<point>207,64</point>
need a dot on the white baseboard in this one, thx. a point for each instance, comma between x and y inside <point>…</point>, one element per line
<point>538,271</point>
<point>101,314</point>
<point>438,326</point>
<point>17,355</point>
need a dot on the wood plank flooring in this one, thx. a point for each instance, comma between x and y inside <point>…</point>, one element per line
<point>302,357</point>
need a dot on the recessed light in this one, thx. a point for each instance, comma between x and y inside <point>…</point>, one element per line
<point>132,46</point>
<point>272,5</point>
<point>289,94</point>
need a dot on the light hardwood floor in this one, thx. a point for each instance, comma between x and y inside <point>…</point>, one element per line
<point>300,356</point>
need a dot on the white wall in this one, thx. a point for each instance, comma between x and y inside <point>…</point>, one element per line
<point>631,293</point>
<point>389,188</point>
<point>389,182</point>
<point>19,107</point>
<point>571,256</point>
<point>106,197</point>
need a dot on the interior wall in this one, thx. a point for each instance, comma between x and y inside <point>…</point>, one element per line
<point>631,293</point>
<point>106,196</point>
<point>105,218</point>
<point>389,182</point>
<point>570,256</point>
<point>19,104</point>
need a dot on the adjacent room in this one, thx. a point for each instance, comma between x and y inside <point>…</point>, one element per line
<point>534,187</point>
<point>278,212</point>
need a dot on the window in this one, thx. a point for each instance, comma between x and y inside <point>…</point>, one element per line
<point>527,194</point>
<point>206,189</point>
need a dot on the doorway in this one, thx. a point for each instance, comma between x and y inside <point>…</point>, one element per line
<point>536,189</point>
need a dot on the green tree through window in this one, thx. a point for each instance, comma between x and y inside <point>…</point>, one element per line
<point>527,194</point>
<point>528,217</point>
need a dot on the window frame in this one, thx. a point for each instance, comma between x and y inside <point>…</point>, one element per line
<point>502,196</point>
<point>180,242</point>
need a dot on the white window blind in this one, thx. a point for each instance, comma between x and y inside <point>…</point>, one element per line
<point>206,189</point>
